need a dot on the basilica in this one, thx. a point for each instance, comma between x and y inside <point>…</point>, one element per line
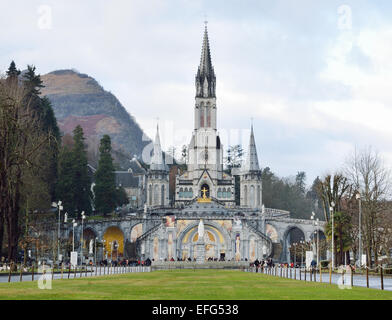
<point>236,225</point>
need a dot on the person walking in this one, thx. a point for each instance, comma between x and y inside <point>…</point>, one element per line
<point>257,263</point>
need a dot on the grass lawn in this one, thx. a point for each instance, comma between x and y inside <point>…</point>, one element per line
<point>187,285</point>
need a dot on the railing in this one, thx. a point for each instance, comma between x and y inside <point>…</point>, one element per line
<point>20,272</point>
<point>347,275</point>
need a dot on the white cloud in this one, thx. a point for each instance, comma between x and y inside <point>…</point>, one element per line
<point>311,89</point>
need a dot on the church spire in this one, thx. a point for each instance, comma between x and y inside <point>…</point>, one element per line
<point>157,162</point>
<point>205,78</point>
<point>252,162</point>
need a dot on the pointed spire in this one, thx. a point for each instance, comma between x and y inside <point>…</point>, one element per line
<point>205,77</point>
<point>205,67</point>
<point>252,162</point>
<point>157,162</point>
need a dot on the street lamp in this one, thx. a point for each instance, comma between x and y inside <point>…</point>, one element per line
<point>302,252</point>
<point>331,209</point>
<point>358,197</point>
<point>318,246</point>
<point>74,224</point>
<point>81,238</point>
<point>312,218</point>
<point>295,254</point>
<point>95,250</point>
<point>103,249</point>
<point>59,206</point>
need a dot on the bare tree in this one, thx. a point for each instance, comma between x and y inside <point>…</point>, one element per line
<point>332,188</point>
<point>370,177</point>
<point>22,140</point>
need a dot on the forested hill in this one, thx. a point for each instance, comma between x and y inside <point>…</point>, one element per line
<point>78,99</point>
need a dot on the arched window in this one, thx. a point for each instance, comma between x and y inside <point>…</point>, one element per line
<point>208,115</point>
<point>252,196</point>
<point>186,193</point>
<point>245,195</point>
<point>163,195</point>
<point>224,193</point>
<point>201,115</point>
<point>219,193</point>
<point>150,195</point>
<point>228,194</point>
<point>181,194</point>
<point>156,195</point>
<point>190,193</point>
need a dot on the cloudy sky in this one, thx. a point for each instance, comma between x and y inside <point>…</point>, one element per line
<point>315,76</point>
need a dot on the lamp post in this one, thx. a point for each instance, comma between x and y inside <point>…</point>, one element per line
<point>103,249</point>
<point>331,209</point>
<point>111,251</point>
<point>81,238</point>
<point>59,206</point>
<point>95,250</point>
<point>302,252</point>
<point>295,253</point>
<point>74,224</point>
<point>358,197</point>
<point>318,241</point>
<point>312,218</point>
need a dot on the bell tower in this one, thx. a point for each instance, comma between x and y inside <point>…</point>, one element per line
<point>205,108</point>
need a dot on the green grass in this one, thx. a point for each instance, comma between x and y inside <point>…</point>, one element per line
<point>187,285</point>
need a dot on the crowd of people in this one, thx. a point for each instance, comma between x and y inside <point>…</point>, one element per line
<point>270,264</point>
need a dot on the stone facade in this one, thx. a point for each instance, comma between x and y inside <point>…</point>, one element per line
<point>232,232</point>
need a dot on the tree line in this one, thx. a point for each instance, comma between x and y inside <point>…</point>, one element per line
<point>37,168</point>
<point>363,176</point>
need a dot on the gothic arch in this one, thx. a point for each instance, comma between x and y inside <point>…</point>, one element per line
<point>194,225</point>
<point>252,198</point>
<point>156,195</point>
<point>114,236</point>
<point>162,195</point>
<point>246,195</point>
<point>150,195</point>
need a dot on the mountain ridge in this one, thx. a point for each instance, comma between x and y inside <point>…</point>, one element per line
<point>78,99</point>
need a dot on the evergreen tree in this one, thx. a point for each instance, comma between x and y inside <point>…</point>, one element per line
<point>81,179</point>
<point>121,197</point>
<point>12,71</point>
<point>65,186</point>
<point>51,154</point>
<point>32,81</point>
<point>105,184</point>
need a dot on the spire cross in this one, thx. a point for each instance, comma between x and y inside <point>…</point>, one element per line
<point>204,190</point>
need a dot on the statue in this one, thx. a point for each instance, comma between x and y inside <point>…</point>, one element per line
<point>90,251</point>
<point>237,248</point>
<point>200,229</point>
